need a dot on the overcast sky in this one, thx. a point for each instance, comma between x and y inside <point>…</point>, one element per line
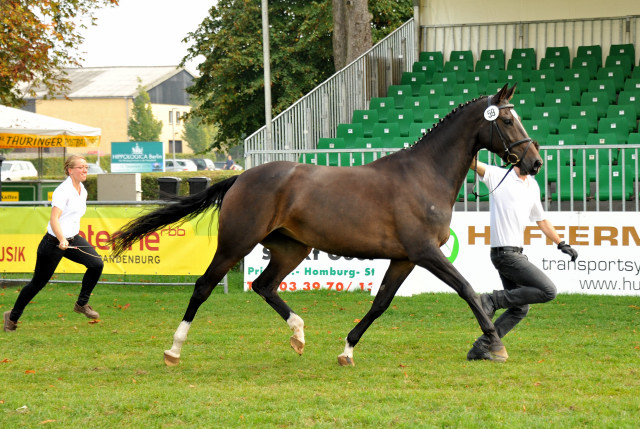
<point>143,33</point>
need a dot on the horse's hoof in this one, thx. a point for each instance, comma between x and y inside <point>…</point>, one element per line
<point>297,345</point>
<point>171,360</point>
<point>499,354</point>
<point>346,361</point>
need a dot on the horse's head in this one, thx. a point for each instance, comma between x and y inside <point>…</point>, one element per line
<point>507,136</point>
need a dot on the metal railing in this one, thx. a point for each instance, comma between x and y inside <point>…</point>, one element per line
<point>318,113</point>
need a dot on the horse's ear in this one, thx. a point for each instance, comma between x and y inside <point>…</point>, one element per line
<point>511,91</point>
<point>501,95</point>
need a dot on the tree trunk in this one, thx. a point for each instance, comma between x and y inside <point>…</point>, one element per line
<point>351,30</point>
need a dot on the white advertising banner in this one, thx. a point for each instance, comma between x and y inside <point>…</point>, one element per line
<point>608,244</point>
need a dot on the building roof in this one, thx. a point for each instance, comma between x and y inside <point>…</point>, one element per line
<point>114,82</point>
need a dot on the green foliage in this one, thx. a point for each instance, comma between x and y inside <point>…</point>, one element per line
<point>143,126</point>
<point>388,15</point>
<point>573,363</point>
<point>37,40</point>
<point>197,134</point>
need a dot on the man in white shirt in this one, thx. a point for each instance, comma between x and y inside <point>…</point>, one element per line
<point>514,202</point>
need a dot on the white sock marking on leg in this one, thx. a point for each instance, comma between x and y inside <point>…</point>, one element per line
<point>179,338</point>
<point>296,323</point>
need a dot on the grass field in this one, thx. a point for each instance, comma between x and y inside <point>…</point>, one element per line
<point>573,363</point>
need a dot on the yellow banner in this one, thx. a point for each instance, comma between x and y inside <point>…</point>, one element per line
<point>176,250</point>
<point>33,140</point>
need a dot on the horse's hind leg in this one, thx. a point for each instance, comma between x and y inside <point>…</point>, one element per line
<point>202,290</point>
<point>393,278</point>
<point>286,255</point>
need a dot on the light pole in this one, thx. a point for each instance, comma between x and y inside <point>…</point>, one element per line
<point>173,128</point>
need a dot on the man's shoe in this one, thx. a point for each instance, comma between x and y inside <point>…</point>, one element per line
<point>487,305</point>
<point>9,325</point>
<point>477,353</point>
<point>86,310</point>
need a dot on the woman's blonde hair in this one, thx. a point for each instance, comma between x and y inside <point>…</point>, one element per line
<point>71,162</point>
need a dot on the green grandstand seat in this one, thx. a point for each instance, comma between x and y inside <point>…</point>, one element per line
<point>459,68</point>
<point>570,87</point>
<point>433,116</point>
<point>561,100</point>
<point>435,56</point>
<point>626,111</point>
<point>468,91</point>
<point>557,64</point>
<point>594,51</point>
<point>480,78</point>
<point>581,75</point>
<point>605,155</point>
<point>367,143</point>
<point>525,53</point>
<point>417,129</point>
<point>450,102</point>
<point>630,97</point>
<point>349,132</point>
<point>578,127</point>
<point>588,112</point>
<point>403,117</point>
<point>537,129</point>
<point>632,84</point>
<point>621,61</point>
<point>571,185</point>
<point>367,118</point>
<point>434,92</point>
<point>383,105</point>
<point>524,104</point>
<point>551,165</point>
<point>403,142</point>
<point>328,158</point>
<point>428,68</point>
<point>626,49</point>
<point>491,67</point>
<point>617,126</point>
<point>465,56</point>
<point>606,85</point>
<point>523,65</point>
<point>630,157</point>
<point>481,189</point>
<point>594,159</point>
<point>615,73</point>
<point>509,76</point>
<point>548,76</point>
<point>413,79</point>
<point>561,52</point>
<point>447,80</point>
<point>599,99</point>
<point>387,131</point>
<point>418,105</point>
<point>603,138</point>
<point>615,183</point>
<point>590,64</point>
<point>565,156</point>
<point>538,89</point>
<point>634,138</point>
<point>493,55</point>
<point>399,92</point>
<point>549,114</point>
<point>544,186</point>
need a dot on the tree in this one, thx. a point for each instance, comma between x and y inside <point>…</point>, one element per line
<point>230,87</point>
<point>351,31</point>
<point>38,39</point>
<point>143,127</point>
<point>197,134</point>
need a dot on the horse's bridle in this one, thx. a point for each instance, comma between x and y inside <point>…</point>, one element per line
<point>508,156</point>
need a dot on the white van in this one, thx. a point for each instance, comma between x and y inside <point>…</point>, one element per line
<point>17,170</point>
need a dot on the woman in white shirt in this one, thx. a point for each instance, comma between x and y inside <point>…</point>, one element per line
<point>62,240</point>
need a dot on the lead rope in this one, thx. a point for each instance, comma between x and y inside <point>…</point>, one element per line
<point>86,253</point>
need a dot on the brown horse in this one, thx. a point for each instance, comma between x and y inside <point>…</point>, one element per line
<point>398,208</point>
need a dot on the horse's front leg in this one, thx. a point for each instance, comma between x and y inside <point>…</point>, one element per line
<point>434,261</point>
<point>393,278</point>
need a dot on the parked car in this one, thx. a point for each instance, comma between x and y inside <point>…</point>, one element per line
<point>17,170</point>
<point>94,168</point>
<point>204,163</point>
<point>180,165</point>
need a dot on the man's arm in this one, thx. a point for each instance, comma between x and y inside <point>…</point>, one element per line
<point>478,166</point>
<point>547,228</point>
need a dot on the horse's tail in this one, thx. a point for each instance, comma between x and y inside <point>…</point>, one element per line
<point>184,208</point>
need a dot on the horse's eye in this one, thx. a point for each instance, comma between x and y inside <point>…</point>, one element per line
<point>508,122</point>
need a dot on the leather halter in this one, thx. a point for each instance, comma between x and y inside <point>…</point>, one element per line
<point>508,156</point>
